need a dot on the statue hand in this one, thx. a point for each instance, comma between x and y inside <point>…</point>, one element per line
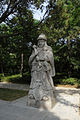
<point>34,46</point>
<point>35,49</point>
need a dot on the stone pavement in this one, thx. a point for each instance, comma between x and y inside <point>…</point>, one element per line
<point>14,86</point>
<point>66,108</point>
<point>12,112</point>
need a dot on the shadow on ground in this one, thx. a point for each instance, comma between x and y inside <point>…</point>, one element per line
<point>70,98</point>
<point>12,112</point>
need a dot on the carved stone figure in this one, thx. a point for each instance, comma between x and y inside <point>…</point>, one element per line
<point>41,61</point>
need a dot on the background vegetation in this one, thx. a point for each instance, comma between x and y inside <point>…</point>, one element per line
<point>19,31</point>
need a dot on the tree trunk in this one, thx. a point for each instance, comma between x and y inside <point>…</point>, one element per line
<point>68,58</point>
<point>2,71</point>
<point>21,71</point>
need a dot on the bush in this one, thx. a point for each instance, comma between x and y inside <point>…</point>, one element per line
<point>17,78</point>
<point>11,78</point>
<point>1,75</point>
<point>71,81</point>
<point>65,81</point>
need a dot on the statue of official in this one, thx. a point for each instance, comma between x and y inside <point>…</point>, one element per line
<point>41,61</point>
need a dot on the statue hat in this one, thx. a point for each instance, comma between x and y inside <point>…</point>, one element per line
<point>42,37</point>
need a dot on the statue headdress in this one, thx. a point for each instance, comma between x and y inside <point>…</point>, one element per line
<point>42,37</point>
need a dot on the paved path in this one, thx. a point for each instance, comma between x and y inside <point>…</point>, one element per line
<point>12,112</point>
<point>66,108</point>
<point>14,86</point>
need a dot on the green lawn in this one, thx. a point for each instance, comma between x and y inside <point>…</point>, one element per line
<point>10,94</point>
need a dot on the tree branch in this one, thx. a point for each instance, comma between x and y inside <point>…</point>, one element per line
<point>7,12</point>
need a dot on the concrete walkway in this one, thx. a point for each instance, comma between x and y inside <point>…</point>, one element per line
<point>14,86</point>
<point>66,108</point>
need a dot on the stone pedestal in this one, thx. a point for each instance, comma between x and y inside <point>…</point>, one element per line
<point>46,104</point>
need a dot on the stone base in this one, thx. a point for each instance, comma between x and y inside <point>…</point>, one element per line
<point>47,105</point>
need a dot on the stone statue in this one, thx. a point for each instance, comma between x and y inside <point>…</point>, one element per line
<point>41,61</point>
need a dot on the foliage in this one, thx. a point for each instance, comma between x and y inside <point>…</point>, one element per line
<point>66,81</point>
<point>17,78</point>
<point>62,27</point>
<point>71,81</point>
<point>10,7</point>
<point>20,32</point>
<point>15,38</point>
<point>10,78</point>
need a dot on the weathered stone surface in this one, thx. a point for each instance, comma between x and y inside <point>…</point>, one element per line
<point>66,108</point>
<point>42,70</point>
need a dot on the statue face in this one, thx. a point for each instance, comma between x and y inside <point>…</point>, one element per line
<point>41,43</point>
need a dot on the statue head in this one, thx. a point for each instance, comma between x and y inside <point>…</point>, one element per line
<point>42,37</point>
<point>42,40</point>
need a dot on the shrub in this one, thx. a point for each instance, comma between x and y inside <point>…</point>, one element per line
<point>65,81</point>
<point>71,81</point>
<point>11,78</point>
<point>17,78</point>
<point>1,75</point>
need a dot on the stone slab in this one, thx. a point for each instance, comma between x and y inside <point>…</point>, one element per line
<point>66,108</point>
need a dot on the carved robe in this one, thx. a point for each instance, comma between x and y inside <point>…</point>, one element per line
<point>42,71</point>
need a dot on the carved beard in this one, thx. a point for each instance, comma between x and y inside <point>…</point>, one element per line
<point>41,45</point>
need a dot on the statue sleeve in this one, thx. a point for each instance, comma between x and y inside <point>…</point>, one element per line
<point>51,61</point>
<point>31,58</point>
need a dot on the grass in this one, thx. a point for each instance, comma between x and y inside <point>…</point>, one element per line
<point>10,94</point>
<point>58,79</point>
<point>17,78</point>
<point>10,78</point>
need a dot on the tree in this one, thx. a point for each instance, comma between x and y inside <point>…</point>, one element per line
<point>17,34</point>
<point>10,7</point>
<point>62,28</point>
